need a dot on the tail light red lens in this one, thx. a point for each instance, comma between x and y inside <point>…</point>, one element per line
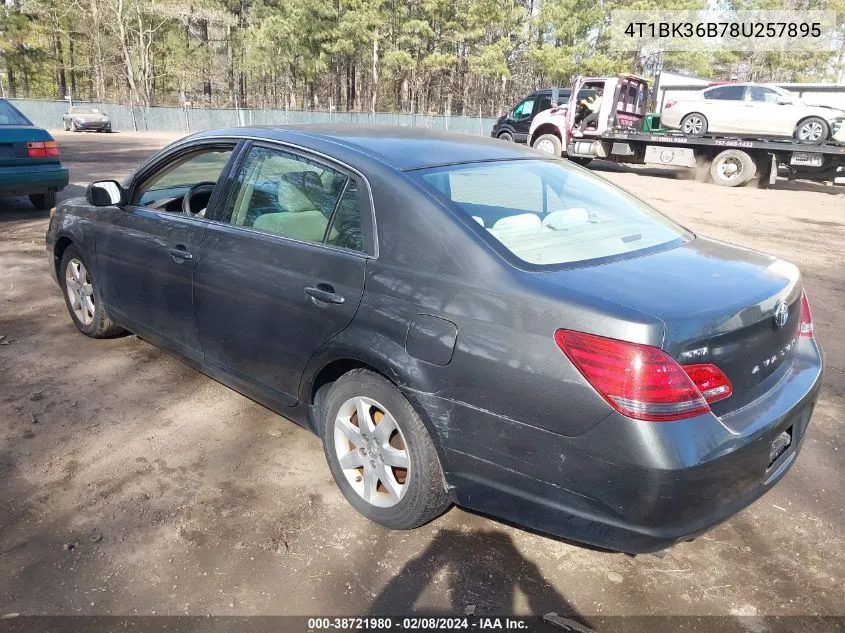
<point>669,104</point>
<point>639,381</point>
<point>710,381</point>
<point>806,326</point>
<point>42,149</point>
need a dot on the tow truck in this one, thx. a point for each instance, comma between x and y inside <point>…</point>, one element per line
<point>623,134</point>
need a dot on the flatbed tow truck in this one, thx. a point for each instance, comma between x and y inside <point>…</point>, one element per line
<point>724,160</point>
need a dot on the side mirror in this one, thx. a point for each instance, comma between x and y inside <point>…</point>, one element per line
<point>782,100</point>
<point>104,193</point>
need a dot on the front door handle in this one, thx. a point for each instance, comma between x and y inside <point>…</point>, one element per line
<point>179,254</point>
<point>324,293</point>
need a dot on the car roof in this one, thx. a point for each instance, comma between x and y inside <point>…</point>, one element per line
<point>404,148</point>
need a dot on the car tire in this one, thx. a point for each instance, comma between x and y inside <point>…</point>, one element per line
<point>89,317</point>
<point>43,201</point>
<point>694,124</point>
<point>732,168</point>
<point>506,136</point>
<point>812,130</point>
<point>368,465</point>
<point>548,144</point>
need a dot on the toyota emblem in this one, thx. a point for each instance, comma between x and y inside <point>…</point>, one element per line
<point>781,313</point>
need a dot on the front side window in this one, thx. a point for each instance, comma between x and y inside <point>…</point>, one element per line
<point>726,93</point>
<point>523,110</point>
<point>9,115</point>
<point>549,213</point>
<point>283,194</point>
<point>165,188</point>
<point>762,95</point>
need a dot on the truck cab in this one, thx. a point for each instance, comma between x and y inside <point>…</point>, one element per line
<point>623,105</point>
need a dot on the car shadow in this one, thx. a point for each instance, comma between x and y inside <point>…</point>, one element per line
<point>681,173</point>
<point>20,208</point>
<point>483,571</point>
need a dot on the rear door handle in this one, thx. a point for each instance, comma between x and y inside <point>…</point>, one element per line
<point>324,293</point>
<point>180,254</point>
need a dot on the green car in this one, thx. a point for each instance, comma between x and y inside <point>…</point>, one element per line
<point>29,160</point>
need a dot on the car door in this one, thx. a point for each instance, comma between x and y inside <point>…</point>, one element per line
<point>724,108</point>
<point>521,119</point>
<point>764,115</point>
<point>281,269</point>
<point>146,250</point>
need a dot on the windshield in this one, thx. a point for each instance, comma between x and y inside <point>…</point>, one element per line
<point>9,115</point>
<point>551,213</point>
<point>84,110</point>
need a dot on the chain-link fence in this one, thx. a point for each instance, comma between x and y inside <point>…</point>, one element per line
<point>48,114</point>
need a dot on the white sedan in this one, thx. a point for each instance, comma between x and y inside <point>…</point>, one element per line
<point>751,109</point>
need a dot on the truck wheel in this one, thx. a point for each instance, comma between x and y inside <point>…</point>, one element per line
<point>506,136</point>
<point>548,143</point>
<point>732,168</point>
<point>813,130</point>
<point>694,124</point>
<point>43,201</point>
<point>580,160</point>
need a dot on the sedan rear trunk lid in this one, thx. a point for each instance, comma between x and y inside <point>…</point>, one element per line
<point>13,145</point>
<point>717,302</point>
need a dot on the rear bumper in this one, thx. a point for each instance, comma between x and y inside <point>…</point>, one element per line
<point>32,179</point>
<point>627,485</point>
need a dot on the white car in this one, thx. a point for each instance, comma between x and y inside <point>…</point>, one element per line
<point>751,109</point>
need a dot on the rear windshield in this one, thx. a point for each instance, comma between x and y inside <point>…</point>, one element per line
<point>550,212</point>
<point>10,116</point>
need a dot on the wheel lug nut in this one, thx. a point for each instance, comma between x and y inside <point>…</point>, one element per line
<point>362,451</point>
<point>372,463</point>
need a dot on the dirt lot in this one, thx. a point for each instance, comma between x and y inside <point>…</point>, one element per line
<point>132,484</point>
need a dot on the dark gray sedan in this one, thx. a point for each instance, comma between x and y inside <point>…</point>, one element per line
<point>80,118</point>
<point>460,320</point>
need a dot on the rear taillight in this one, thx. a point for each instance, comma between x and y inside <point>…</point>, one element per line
<point>669,104</point>
<point>42,149</point>
<point>710,381</point>
<point>639,381</point>
<point>806,326</point>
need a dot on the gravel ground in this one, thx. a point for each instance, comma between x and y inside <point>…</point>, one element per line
<point>132,484</point>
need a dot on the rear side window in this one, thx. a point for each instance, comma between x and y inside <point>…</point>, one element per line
<point>284,194</point>
<point>726,93</point>
<point>550,213</point>
<point>9,115</point>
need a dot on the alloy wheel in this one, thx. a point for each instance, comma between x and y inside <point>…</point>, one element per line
<point>693,125</point>
<point>80,291</point>
<point>372,452</point>
<point>811,131</point>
